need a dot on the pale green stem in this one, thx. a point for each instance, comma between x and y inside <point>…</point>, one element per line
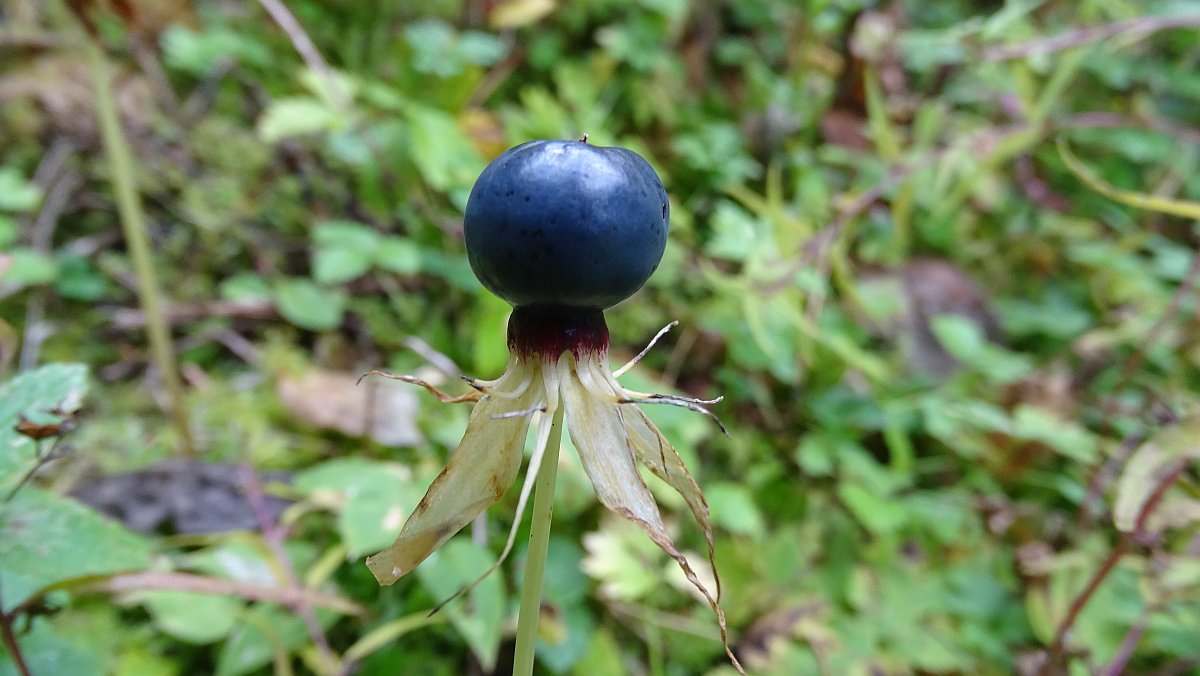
<point>120,160</point>
<point>535,559</point>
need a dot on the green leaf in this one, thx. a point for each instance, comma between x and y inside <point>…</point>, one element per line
<point>732,507</point>
<point>197,53</point>
<point>963,337</point>
<point>480,616</point>
<point>245,287</point>
<point>309,306</point>
<point>80,280</point>
<point>236,559</point>
<point>346,235</point>
<point>16,193</point>
<point>623,560</point>
<point>399,255</point>
<point>33,394</point>
<point>332,265</point>
<point>27,267</point>
<point>191,617</point>
<point>45,539</point>
<point>1066,437</point>
<point>565,643</point>
<point>8,230</point>
<point>880,514</point>
<point>442,153</point>
<point>490,322</point>
<point>46,651</point>
<point>602,658</point>
<point>374,499</point>
<point>960,336</point>
<point>263,630</point>
<point>295,117</point>
<point>565,583</point>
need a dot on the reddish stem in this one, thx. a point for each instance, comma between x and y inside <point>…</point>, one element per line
<point>11,645</point>
<point>1054,653</point>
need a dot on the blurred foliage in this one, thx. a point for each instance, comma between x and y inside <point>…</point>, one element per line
<point>960,365</point>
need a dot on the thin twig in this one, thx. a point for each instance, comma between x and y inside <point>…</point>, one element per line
<point>1133,637</point>
<point>1140,27</point>
<point>1109,408</point>
<point>1054,652</point>
<point>133,226</point>
<point>133,318</point>
<point>9,638</point>
<point>287,22</point>
<point>430,354</point>
<point>200,584</point>
<point>274,537</point>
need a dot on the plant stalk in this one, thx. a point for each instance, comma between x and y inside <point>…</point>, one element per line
<point>535,559</point>
<point>129,207</point>
<point>8,639</point>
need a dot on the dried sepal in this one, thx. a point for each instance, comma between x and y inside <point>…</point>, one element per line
<point>474,395</point>
<point>480,471</point>
<point>656,453</point>
<point>542,439</point>
<point>600,429</point>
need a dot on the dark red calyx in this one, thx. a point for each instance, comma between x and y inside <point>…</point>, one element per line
<point>546,332</point>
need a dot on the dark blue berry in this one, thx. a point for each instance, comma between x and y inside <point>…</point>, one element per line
<point>563,224</point>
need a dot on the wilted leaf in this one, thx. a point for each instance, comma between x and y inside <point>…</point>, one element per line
<point>515,13</point>
<point>1149,465</point>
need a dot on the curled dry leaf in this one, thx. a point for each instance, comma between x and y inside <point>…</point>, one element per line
<point>333,400</point>
<point>1152,463</point>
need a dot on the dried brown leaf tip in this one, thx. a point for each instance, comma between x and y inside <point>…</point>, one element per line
<point>38,431</point>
